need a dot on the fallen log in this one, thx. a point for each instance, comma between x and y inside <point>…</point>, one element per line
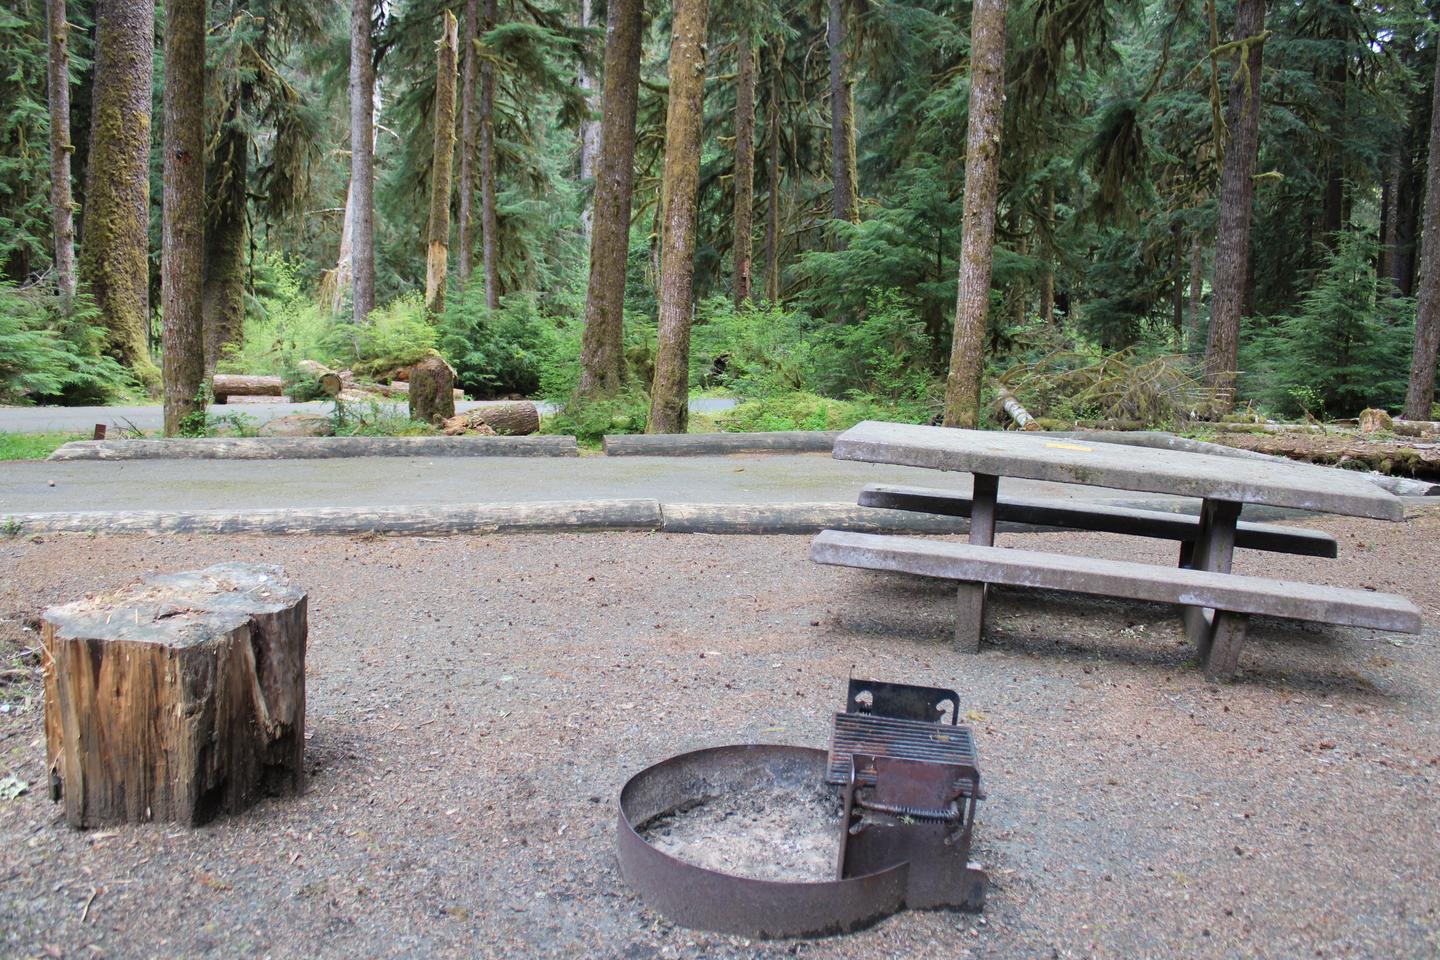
<point>315,448</point>
<point>718,444</point>
<point>1393,458</point>
<point>224,385</point>
<point>178,698</point>
<point>514,418</point>
<point>1017,412</point>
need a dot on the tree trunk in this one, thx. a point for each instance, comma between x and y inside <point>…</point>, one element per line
<point>589,127</point>
<point>602,351</point>
<point>1421,392</point>
<point>62,206</point>
<point>1047,274</point>
<point>489,220</point>
<point>772,203</point>
<point>432,391</point>
<point>1197,283</point>
<point>841,189</point>
<point>176,699</point>
<point>183,219</point>
<point>982,179</point>
<point>468,121</point>
<point>114,249</point>
<point>744,164</point>
<point>1178,269</point>
<point>670,394</point>
<point>437,258</point>
<point>362,161</point>
<point>1389,201</point>
<point>1237,191</point>
<point>227,242</point>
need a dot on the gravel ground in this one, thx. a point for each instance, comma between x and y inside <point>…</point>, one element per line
<point>476,702</point>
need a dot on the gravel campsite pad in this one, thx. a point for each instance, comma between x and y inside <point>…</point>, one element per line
<point>475,703</point>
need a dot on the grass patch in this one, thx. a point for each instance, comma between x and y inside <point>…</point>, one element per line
<point>34,446</point>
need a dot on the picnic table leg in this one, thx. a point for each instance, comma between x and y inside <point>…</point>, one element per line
<point>970,597</point>
<point>1220,650</point>
<point>1214,550</point>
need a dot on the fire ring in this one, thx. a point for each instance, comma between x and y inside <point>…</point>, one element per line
<point>704,899</point>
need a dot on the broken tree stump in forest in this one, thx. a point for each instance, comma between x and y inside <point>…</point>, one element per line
<point>177,698</point>
<point>432,391</point>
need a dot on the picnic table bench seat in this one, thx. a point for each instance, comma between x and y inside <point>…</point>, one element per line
<point>1232,597</point>
<point>1101,518</point>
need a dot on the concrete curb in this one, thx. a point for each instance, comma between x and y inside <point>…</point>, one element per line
<point>316,448</point>
<point>718,444</point>
<point>543,516</point>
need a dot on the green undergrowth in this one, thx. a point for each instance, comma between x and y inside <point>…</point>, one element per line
<point>34,446</point>
<point>808,411</point>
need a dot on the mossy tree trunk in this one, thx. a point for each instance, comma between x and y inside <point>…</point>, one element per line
<point>437,255</point>
<point>489,217</point>
<point>772,201</point>
<point>62,204</point>
<point>977,242</point>
<point>1421,391</point>
<point>744,163</point>
<point>468,120</point>
<point>670,392</point>
<point>362,161</point>
<point>182,248</point>
<point>114,247</point>
<point>842,188</point>
<point>1237,192</point>
<point>227,238</point>
<point>589,127</point>
<point>602,351</point>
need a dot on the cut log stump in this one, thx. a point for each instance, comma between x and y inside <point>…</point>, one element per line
<point>432,391</point>
<point>176,699</point>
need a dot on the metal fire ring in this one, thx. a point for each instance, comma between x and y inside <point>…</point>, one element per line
<point>702,899</point>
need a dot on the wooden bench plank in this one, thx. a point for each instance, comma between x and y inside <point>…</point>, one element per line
<point>1100,518</point>
<point>1118,578</point>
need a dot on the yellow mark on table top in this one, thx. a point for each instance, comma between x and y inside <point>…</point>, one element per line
<point>1070,446</point>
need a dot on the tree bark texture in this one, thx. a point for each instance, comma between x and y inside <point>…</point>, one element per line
<point>114,248</point>
<point>772,201</point>
<point>1237,191</point>
<point>744,165</point>
<point>602,350</point>
<point>841,188</point>
<point>489,218</point>
<point>224,385</point>
<point>670,392</point>
<point>62,204</point>
<point>176,699</point>
<point>182,250</point>
<point>977,243</point>
<point>227,243</point>
<point>432,391</point>
<point>468,121</point>
<point>1047,273</point>
<point>362,161</point>
<point>589,127</point>
<point>437,254</point>
<point>1421,391</point>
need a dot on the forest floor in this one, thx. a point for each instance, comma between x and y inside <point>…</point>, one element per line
<point>475,703</point>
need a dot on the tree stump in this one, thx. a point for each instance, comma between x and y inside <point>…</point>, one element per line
<point>432,391</point>
<point>178,698</point>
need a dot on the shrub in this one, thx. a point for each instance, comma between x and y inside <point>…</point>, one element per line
<point>282,325</point>
<point>501,351</point>
<point>47,356</point>
<point>807,411</point>
<point>396,335</point>
<point>590,420</point>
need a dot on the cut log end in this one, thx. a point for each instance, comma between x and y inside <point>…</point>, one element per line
<point>176,699</point>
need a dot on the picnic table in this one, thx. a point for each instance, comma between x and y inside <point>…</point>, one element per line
<point>1217,602</point>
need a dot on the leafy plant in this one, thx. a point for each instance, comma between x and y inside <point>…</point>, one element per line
<point>590,420</point>
<point>48,356</point>
<point>496,352</point>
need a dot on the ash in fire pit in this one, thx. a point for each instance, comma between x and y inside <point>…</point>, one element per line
<point>772,830</point>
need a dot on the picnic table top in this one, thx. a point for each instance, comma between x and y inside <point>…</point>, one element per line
<point>1181,473</point>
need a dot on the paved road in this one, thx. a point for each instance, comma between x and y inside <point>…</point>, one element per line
<point>83,419</point>
<point>182,485</point>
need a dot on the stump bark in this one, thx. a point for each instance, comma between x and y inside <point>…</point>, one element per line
<point>178,698</point>
<point>432,391</point>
